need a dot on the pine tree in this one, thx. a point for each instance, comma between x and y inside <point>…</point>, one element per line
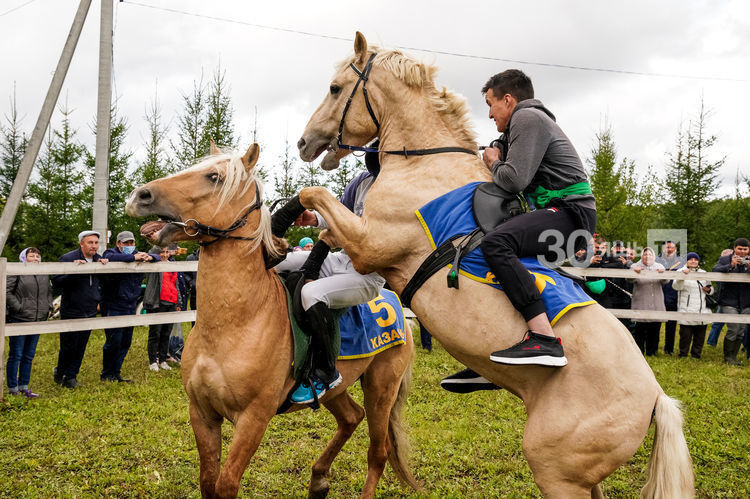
<point>190,145</point>
<point>621,201</point>
<point>219,113</point>
<point>286,181</point>
<point>120,179</point>
<point>157,163</point>
<point>691,179</point>
<point>12,148</point>
<point>339,178</point>
<point>56,214</point>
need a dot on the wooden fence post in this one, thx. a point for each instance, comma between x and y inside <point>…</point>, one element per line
<point>3,262</point>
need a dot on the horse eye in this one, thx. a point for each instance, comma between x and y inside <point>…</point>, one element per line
<point>335,89</point>
<point>214,177</point>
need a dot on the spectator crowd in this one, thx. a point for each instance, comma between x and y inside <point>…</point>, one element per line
<point>29,298</point>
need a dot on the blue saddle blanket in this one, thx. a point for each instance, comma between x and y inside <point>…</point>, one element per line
<point>451,214</point>
<point>372,327</point>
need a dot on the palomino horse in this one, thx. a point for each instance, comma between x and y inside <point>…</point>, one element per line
<point>237,359</point>
<point>584,420</point>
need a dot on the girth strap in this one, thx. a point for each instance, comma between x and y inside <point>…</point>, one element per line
<point>443,255</point>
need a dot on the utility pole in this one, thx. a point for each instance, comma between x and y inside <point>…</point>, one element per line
<point>32,149</point>
<point>103,117</point>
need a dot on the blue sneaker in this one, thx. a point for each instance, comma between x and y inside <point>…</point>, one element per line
<point>304,394</point>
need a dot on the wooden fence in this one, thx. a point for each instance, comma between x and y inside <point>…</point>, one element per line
<point>53,268</point>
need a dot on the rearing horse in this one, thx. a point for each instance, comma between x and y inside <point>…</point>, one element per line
<point>584,420</point>
<point>237,360</point>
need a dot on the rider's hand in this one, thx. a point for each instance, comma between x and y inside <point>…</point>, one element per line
<point>490,155</point>
<point>306,219</point>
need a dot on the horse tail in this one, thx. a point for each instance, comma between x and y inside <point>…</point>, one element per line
<point>670,470</point>
<point>397,431</point>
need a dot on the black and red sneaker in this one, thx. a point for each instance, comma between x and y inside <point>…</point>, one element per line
<point>534,349</point>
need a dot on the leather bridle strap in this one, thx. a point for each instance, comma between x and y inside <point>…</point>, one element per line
<point>364,77</point>
<point>196,228</point>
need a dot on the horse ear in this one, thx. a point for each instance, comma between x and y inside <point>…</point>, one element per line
<point>251,156</point>
<point>212,148</point>
<point>360,47</point>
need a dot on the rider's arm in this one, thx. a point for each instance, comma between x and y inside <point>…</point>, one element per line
<point>527,144</point>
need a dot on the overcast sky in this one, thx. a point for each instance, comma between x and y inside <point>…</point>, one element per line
<point>697,49</point>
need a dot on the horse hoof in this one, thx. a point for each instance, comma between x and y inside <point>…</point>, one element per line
<point>318,494</point>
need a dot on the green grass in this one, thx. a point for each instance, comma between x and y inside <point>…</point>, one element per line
<point>108,439</point>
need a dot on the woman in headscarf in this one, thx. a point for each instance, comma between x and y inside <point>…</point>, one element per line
<point>647,295</point>
<point>28,299</point>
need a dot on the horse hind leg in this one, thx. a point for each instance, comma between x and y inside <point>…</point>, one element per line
<point>207,433</point>
<point>348,415</point>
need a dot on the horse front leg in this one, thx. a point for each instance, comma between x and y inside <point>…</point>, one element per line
<point>346,229</point>
<point>248,432</point>
<point>207,431</point>
<point>348,415</point>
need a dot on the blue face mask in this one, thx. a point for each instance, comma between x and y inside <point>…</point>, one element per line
<point>128,250</point>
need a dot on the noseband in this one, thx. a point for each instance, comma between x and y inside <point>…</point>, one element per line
<point>193,227</point>
<point>364,77</point>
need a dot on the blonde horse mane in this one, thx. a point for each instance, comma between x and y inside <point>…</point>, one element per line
<point>451,107</point>
<point>236,182</point>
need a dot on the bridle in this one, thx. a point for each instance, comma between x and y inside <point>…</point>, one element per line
<point>364,77</point>
<point>193,227</point>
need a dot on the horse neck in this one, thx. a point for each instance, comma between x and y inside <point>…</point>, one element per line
<point>233,283</point>
<point>410,120</point>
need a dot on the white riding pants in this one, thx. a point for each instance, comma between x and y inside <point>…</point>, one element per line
<point>339,286</point>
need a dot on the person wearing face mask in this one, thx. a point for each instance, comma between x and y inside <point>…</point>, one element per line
<point>120,294</point>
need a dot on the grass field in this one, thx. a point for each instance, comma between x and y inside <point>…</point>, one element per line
<point>126,440</point>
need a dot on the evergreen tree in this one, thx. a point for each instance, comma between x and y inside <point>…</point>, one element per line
<point>12,148</point>
<point>156,164</point>
<point>55,212</point>
<point>339,178</point>
<point>286,181</point>
<point>120,179</point>
<point>622,203</point>
<point>261,168</point>
<point>691,180</point>
<point>191,145</point>
<point>218,125</point>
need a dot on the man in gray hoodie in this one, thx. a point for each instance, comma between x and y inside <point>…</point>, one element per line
<point>535,158</point>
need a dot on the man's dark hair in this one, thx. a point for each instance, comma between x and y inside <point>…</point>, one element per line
<point>741,241</point>
<point>33,250</point>
<point>511,81</point>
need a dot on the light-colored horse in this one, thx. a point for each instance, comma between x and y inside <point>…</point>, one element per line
<point>237,359</point>
<point>584,420</point>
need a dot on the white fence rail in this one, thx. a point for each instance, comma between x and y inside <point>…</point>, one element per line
<point>54,268</point>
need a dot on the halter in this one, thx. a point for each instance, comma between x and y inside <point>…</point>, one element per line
<point>201,229</point>
<point>364,76</point>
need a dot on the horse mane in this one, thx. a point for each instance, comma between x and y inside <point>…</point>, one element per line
<point>237,180</point>
<point>451,107</point>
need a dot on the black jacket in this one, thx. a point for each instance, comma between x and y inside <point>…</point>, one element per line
<point>80,292</point>
<point>733,294</point>
<point>28,297</point>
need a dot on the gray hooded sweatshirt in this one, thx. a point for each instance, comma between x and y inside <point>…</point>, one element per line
<point>538,152</point>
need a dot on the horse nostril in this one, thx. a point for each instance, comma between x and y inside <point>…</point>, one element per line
<point>300,143</point>
<point>144,196</point>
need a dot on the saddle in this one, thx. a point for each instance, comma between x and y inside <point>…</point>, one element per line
<point>492,205</point>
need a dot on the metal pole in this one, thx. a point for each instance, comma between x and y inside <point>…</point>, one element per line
<point>103,116</point>
<point>32,149</point>
<point>3,290</point>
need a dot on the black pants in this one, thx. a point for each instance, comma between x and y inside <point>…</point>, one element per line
<point>670,327</point>
<point>72,350</point>
<point>520,237</point>
<point>116,345</point>
<point>158,337</point>
<point>695,335</point>
<point>647,336</point>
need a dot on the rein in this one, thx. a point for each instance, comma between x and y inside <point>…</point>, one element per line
<point>364,77</point>
<point>196,228</point>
